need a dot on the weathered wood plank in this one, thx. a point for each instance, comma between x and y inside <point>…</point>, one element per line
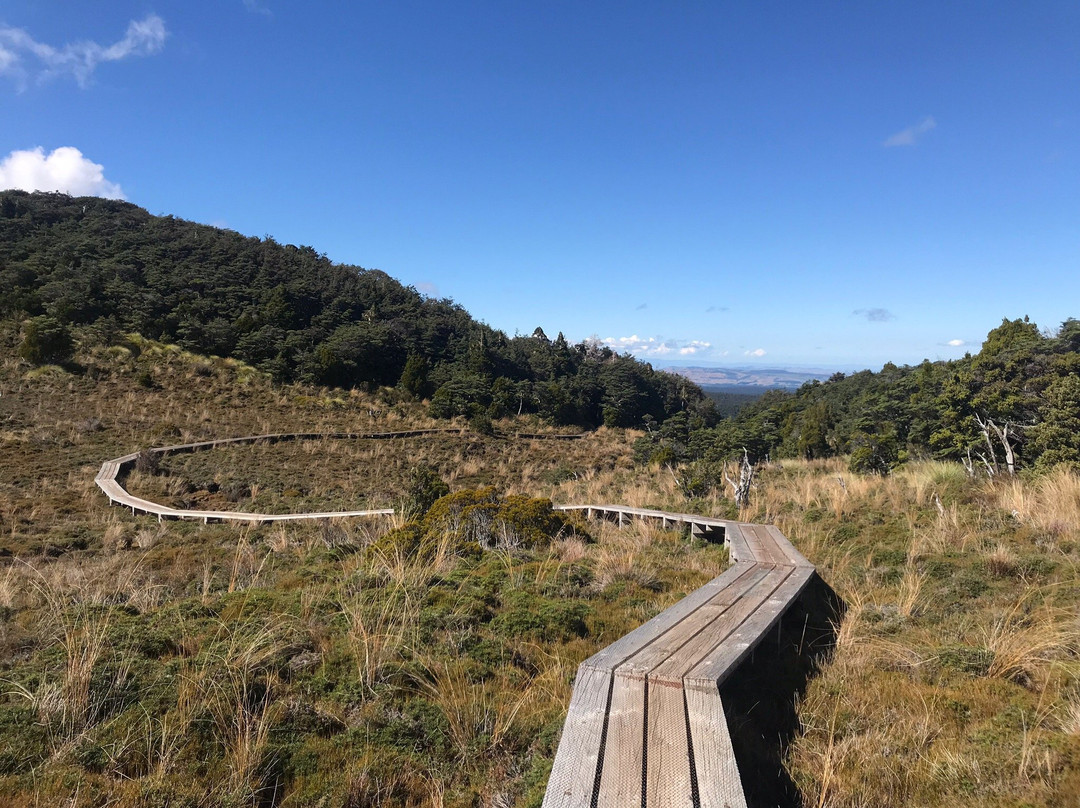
<point>667,771</point>
<point>705,644</point>
<point>701,620</point>
<point>718,665</point>
<point>622,769</point>
<point>573,774</point>
<point>615,654</point>
<point>738,549</point>
<point>793,555</point>
<point>719,784</point>
<point>774,550</point>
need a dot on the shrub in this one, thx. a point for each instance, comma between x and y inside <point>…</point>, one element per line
<point>46,340</point>
<point>481,517</point>
<point>148,462</point>
<point>424,487</point>
<point>873,453</point>
<point>532,521</point>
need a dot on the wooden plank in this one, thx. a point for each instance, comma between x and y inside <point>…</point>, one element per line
<point>796,558</point>
<point>702,619</point>
<point>738,549</point>
<point>718,665</point>
<point>624,745</point>
<point>615,654</point>
<point>719,784</point>
<point>573,774</point>
<point>753,541</point>
<point>667,766</point>
<point>705,643</point>
<point>770,551</point>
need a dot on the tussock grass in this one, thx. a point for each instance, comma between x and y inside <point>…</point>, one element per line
<point>292,663</point>
<point>951,680</point>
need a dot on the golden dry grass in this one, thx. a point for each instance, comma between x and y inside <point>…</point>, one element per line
<point>954,680</point>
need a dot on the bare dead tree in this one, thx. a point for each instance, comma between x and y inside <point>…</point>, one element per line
<point>1006,436</point>
<point>969,465</point>
<point>991,467</point>
<point>741,489</point>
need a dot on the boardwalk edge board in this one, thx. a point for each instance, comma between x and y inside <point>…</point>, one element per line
<point>645,725</point>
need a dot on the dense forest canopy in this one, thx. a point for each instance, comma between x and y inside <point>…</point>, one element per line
<point>292,312</point>
<point>1013,405</point>
<point>110,268</point>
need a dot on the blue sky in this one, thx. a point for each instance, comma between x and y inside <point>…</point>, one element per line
<point>833,184</point>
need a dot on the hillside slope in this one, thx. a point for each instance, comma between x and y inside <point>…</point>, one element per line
<point>291,312</point>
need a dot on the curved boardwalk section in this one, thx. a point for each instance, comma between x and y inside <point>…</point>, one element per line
<point>108,477</point>
<point>646,726</point>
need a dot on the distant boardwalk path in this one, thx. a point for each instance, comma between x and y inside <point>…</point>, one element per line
<point>645,726</point>
<point>108,481</point>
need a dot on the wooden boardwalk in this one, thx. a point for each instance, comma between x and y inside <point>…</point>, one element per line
<point>112,471</point>
<point>646,726</point>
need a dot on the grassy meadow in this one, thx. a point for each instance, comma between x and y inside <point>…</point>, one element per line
<point>427,660</point>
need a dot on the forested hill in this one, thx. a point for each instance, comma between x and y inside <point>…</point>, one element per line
<point>1014,405</point>
<point>289,311</point>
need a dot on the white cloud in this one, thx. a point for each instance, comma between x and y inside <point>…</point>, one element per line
<point>909,136</point>
<point>656,346</point>
<point>64,169</point>
<point>23,57</point>
<point>694,346</point>
<point>956,343</point>
<point>755,352</point>
<point>428,289</point>
<point>8,60</point>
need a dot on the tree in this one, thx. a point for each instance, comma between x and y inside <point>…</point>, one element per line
<point>45,341</point>
<point>414,377</point>
<point>873,453</point>
<point>1056,439</point>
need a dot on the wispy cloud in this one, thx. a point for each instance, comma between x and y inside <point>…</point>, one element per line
<point>64,169</point>
<point>956,343</point>
<point>256,7</point>
<point>911,135</point>
<point>755,352</point>
<point>23,58</point>
<point>656,346</point>
<point>711,309</point>
<point>429,289</point>
<point>875,315</point>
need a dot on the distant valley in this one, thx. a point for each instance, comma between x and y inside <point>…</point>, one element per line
<point>746,379</point>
